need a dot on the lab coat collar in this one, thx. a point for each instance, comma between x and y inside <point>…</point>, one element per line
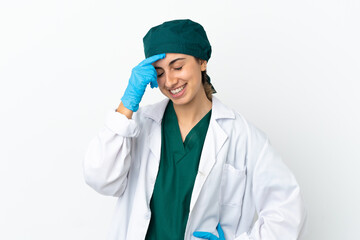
<point>219,110</point>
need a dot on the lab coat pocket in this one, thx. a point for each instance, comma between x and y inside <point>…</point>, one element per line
<point>232,185</point>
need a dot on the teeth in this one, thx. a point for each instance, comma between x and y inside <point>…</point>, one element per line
<point>177,90</point>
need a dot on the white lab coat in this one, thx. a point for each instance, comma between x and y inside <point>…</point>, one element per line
<point>240,176</point>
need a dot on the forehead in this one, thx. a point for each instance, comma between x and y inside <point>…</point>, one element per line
<point>168,58</point>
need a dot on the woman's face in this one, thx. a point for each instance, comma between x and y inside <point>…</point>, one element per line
<point>179,77</point>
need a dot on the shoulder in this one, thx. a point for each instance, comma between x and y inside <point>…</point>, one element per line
<point>237,125</point>
<point>245,140</point>
<point>151,112</point>
<point>256,138</point>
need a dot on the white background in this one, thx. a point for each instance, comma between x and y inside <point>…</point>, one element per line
<point>290,67</point>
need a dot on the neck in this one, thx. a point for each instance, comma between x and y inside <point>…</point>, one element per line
<point>194,111</point>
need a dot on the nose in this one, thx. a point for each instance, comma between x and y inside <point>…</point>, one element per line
<point>170,80</point>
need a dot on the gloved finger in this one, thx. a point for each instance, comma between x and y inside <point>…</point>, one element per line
<point>220,231</point>
<point>152,59</point>
<point>147,71</point>
<point>205,235</point>
<point>144,74</point>
<point>154,83</point>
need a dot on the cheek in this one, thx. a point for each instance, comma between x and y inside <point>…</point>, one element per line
<point>190,73</point>
<point>161,84</point>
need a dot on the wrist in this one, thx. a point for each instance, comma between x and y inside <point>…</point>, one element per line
<point>124,110</point>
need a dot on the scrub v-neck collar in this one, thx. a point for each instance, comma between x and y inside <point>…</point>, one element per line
<point>196,130</point>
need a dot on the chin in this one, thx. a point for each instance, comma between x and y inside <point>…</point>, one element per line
<point>182,101</point>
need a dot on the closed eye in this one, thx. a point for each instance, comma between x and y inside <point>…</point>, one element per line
<point>179,68</point>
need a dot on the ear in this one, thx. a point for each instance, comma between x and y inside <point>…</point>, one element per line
<point>203,65</point>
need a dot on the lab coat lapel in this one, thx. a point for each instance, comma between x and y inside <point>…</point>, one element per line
<point>215,139</point>
<point>155,112</point>
<point>154,140</point>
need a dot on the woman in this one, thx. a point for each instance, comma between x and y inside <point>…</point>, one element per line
<point>188,167</point>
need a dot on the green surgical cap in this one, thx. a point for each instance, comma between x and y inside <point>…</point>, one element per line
<point>178,36</point>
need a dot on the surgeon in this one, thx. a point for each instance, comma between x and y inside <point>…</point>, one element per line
<point>189,167</point>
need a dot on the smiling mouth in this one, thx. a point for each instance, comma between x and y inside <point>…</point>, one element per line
<point>177,90</point>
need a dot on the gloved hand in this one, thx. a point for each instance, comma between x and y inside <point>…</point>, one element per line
<point>210,236</point>
<point>141,75</point>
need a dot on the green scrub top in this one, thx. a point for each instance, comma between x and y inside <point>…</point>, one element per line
<point>179,161</point>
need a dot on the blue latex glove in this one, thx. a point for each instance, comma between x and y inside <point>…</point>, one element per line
<point>141,75</point>
<point>210,236</point>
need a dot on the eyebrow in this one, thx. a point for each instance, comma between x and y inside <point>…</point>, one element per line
<point>172,62</point>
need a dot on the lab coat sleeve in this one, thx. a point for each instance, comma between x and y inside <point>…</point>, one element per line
<point>108,156</point>
<point>278,202</point>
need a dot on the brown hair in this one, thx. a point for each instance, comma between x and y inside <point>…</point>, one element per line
<point>204,80</point>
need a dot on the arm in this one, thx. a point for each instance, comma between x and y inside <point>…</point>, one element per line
<point>123,110</point>
<point>107,159</point>
<point>280,208</point>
